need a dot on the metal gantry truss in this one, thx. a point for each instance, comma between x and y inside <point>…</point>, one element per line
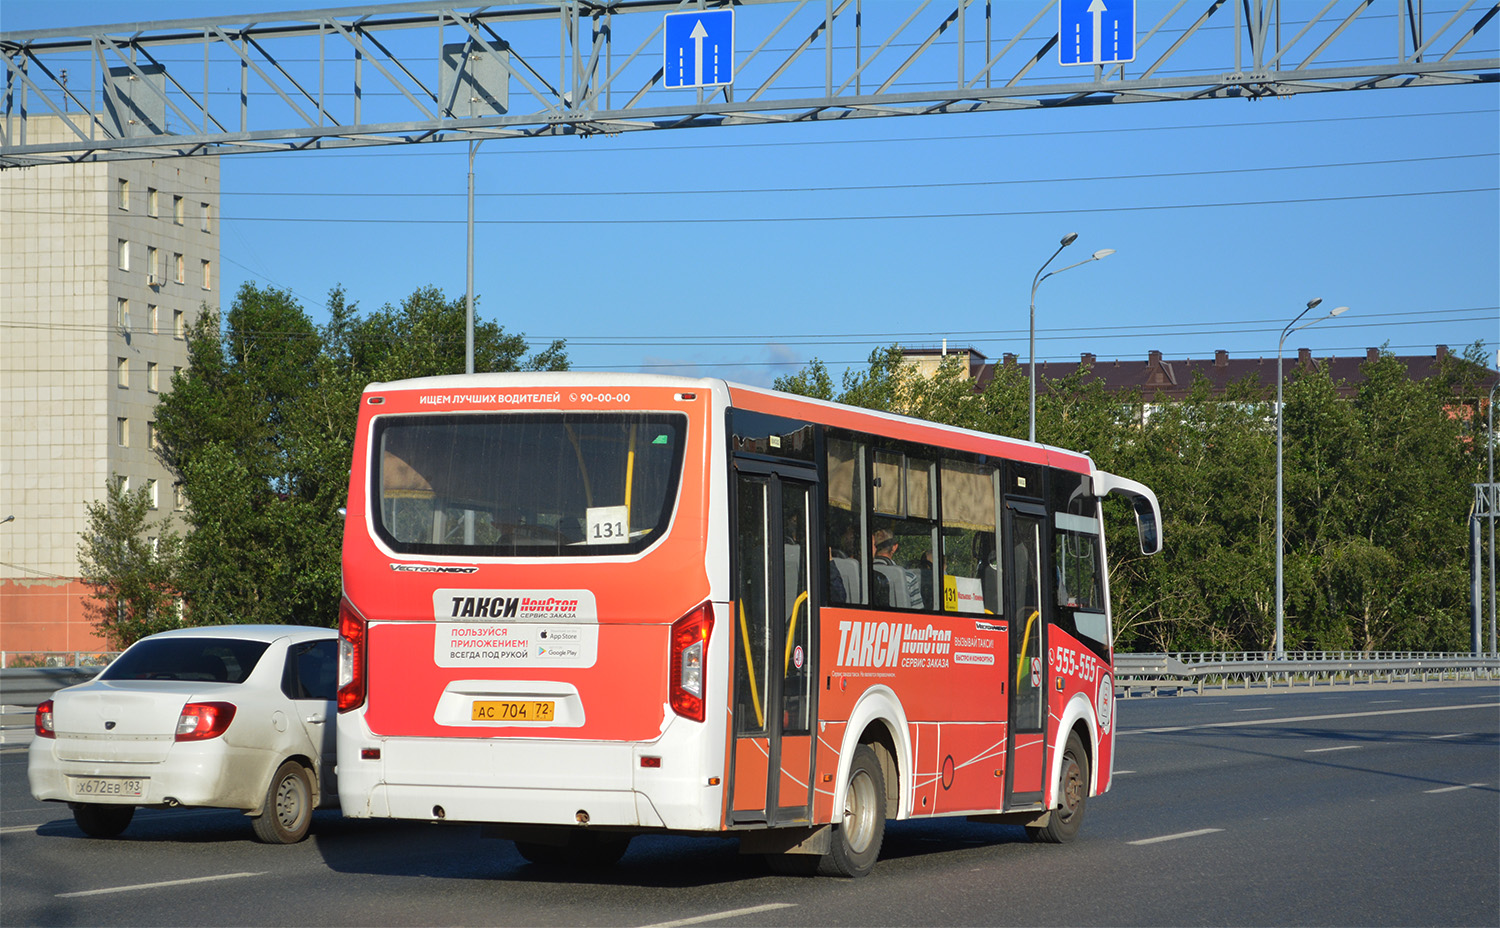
<point>438,71</point>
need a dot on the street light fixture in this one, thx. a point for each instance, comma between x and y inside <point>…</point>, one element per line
<point>1280,542</point>
<point>1067,240</point>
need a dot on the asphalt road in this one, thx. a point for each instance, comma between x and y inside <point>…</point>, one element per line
<point>1334,806</point>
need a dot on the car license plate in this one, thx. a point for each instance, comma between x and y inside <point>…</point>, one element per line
<point>108,786</point>
<point>513,710</point>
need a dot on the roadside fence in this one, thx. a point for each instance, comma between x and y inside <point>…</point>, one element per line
<point>1151,674</point>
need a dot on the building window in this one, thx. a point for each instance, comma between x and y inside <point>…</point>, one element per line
<point>152,383</point>
<point>124,248</point>
<point>206,212</point>
<point>122,313</point>
<point>177,210</point>
<point>153,318</point>
<point>153,266</point>
<point>122,369</point>
<point>151,442</point>
<point>122,432</point>
<point>177,498</point>
<point>152,199</point>
<point>179,324</point>
<point>151,495</point>
<point>122,483</point>
<point>152,541</point>
<point>179,274</point>
<point>122,187</point>
<point>207,274</point>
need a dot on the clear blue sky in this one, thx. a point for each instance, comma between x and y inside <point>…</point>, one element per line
<point>828,240</point>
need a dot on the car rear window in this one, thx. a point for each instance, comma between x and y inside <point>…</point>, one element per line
<point>216,660</point>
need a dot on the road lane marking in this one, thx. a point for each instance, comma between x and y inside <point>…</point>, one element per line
<point>17,829</point>
<point>1342,747</point>
<point>147,815</point>
<point>700,919</point>
<point>1186,834</point>
<point>1305,718</point>
<point>164,883</point>
<point>1454,789</point>
<point>1258,709</point>
<point>1457,734</point>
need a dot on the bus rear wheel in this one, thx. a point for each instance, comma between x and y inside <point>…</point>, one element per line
<point>1072,795</point>
<point>588,849</point>
<point>858,834</point>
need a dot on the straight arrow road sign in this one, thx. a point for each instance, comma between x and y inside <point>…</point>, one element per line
<point>1092,32</point>
<point>698,49</point>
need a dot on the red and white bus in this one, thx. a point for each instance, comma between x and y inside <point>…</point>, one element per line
<point>581,607</point>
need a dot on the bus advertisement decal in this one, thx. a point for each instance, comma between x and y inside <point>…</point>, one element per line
<point>515,605</point>
<point>520,645</point>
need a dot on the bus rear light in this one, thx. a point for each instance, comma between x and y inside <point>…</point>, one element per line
<point>43,722</point>
<point>687,664</point>
<point>651,763</point>
<point>352,680</point>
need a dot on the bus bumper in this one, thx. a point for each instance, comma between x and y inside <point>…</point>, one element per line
<point>530,781</point>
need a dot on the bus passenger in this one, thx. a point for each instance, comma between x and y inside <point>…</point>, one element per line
<point>884,546</point>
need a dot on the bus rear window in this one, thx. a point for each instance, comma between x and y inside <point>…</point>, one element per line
<point>525,484</point>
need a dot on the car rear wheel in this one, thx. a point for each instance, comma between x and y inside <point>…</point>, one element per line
<point>102,821</point>
<point>288,810</point>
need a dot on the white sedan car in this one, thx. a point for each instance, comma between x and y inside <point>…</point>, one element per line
<point>232,716</point>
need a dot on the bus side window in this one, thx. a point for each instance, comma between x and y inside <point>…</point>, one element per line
<point>971,562</point>
<point>844,519</point>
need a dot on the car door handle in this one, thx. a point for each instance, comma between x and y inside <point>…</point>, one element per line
<point>317,718</point>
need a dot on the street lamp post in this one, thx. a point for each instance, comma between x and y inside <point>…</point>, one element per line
<point>1490,435</point>
<point>1036,281</point>
<point>469,269</point>
<point>1280,542</point>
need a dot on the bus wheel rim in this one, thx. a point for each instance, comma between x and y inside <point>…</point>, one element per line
<point>859,812</point>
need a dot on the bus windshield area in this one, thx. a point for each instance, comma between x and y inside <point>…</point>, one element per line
<point>525,484</point>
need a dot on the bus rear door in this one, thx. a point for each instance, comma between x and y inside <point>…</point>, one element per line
<point>775,615</point>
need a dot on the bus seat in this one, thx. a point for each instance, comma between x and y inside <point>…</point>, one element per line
<point>848,569</point>
<point>896,577</point>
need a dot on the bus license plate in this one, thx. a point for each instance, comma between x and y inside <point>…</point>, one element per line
<point>513,710</point>
<point>108,786</point>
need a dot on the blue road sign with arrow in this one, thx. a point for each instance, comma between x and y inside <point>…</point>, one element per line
<point>1095,31</point>
<point>698,49</point>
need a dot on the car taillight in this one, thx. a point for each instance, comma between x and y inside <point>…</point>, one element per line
<point>43,722</point>
<point>200,721</point>
<point>688,662</point>
<point>351,658</point>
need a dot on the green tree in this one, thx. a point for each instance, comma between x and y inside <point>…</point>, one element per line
<point>261,428</point>
<point>131,580</point>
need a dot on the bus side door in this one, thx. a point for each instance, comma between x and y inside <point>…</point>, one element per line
<point>1028,608</point>
<point>775,617</point>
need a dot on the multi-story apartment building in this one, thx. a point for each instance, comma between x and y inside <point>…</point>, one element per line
<point>103,267</point>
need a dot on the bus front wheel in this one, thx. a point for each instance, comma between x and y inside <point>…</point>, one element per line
<point>1072,796</point>
<point>858,834</point>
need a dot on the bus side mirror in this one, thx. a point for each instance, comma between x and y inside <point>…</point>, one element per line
<point>1147,510</point>
<point>1146,525</point>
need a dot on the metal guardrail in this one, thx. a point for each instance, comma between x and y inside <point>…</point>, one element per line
<point>29,686</point>
<point>1153,673</point>
<point>95,659</point>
